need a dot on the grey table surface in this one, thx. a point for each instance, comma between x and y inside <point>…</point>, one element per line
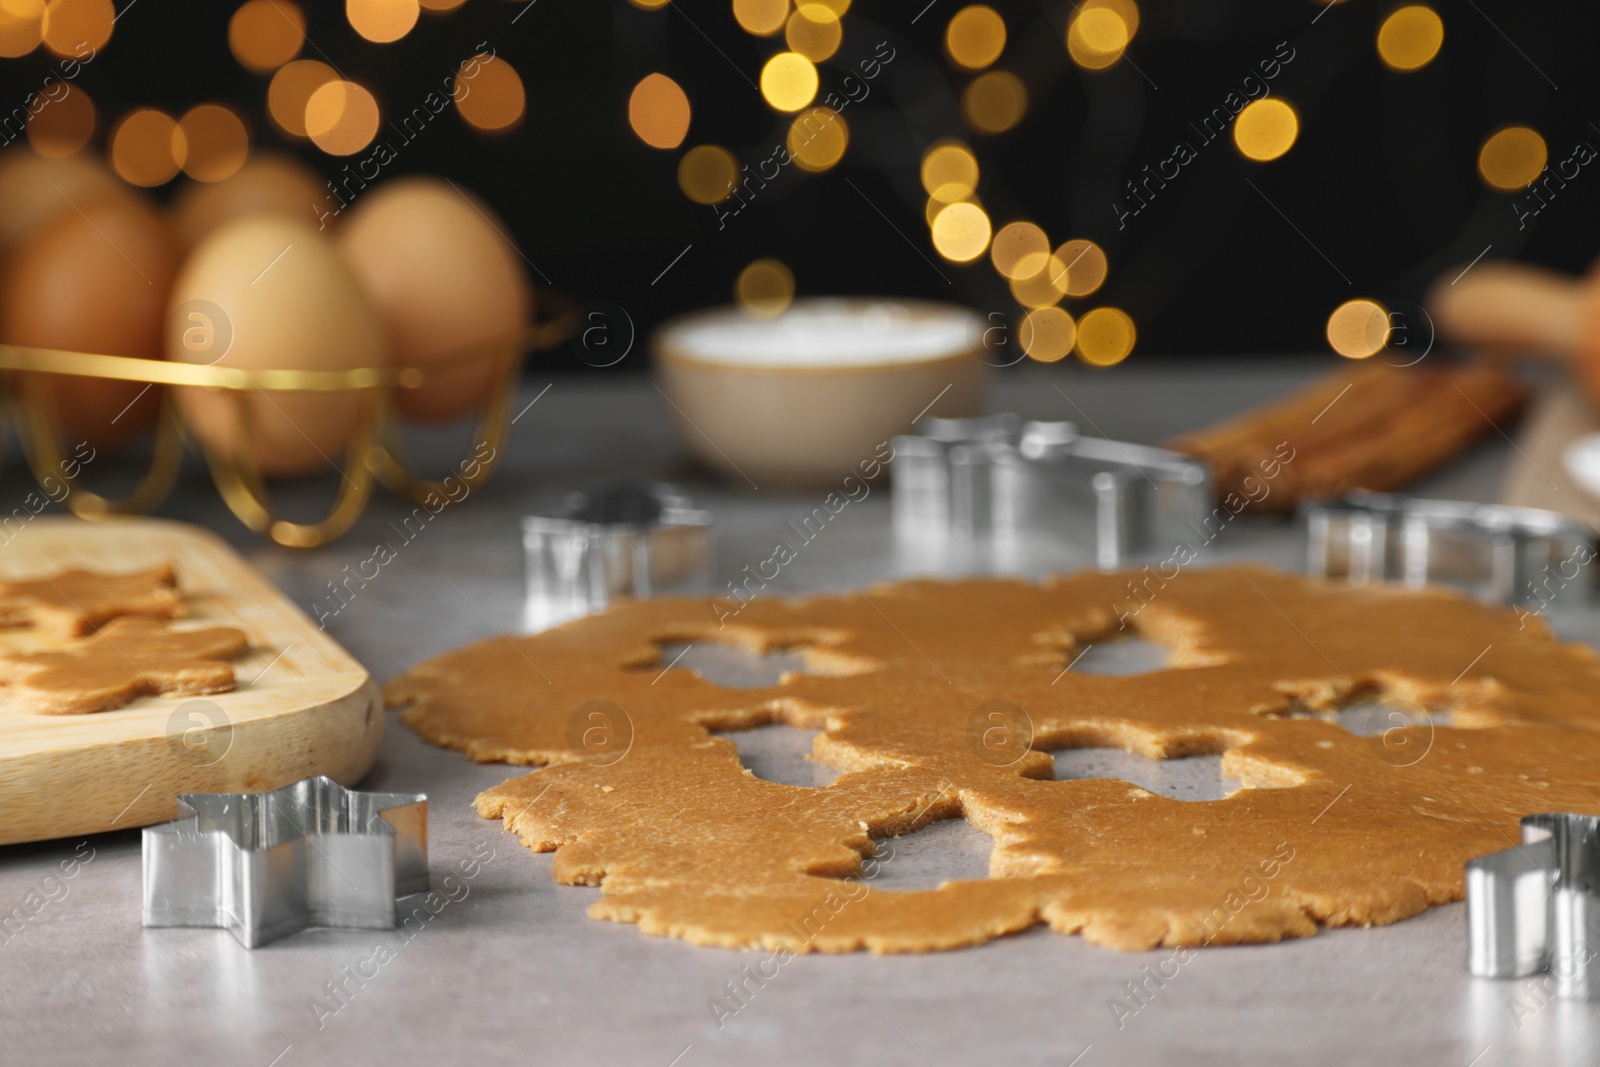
<point>511,971</point>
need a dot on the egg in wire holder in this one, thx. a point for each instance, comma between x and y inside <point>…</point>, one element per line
<point>374,452</point>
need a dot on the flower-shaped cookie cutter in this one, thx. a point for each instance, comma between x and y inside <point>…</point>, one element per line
<point>1536,906</point>
<point>1500,553</point>
<point>997,475</point>
<point>265,865</point>
<point>629,538</point>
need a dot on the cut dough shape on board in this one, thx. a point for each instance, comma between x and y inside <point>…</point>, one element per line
<point>126,659</point>
<point>71,603</point>
<point>945,699</point>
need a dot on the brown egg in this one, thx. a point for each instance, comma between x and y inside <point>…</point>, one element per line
<point>444,276</point>
<point>33,188</point>
<point>269,184</point>
<point>94,278</point>
<point>267,293</point>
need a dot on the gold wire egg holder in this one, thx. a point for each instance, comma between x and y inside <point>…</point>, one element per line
<point>374,453</point>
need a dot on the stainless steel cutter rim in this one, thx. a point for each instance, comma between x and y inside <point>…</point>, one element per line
<point>1536,906</point>
<point>1112,499</point>
<point>1390,537</point>
<point>264,865</point>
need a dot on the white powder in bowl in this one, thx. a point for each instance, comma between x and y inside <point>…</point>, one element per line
<point>829,332</point>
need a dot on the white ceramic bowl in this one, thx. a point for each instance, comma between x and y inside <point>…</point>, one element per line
<point>816,393</point>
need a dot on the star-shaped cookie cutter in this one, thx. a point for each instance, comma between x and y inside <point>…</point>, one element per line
<point>998,475</point>
<point>1502,553</point>
<point>267,864</point>
<point>1536,906</point>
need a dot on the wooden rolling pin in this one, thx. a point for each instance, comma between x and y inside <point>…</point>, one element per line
<point>1519,308</point>
<point>1363,426</point>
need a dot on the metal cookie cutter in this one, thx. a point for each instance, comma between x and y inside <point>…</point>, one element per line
<point>965,477</point>
<point>1536,907</point>
<point>267,864</point>
<point>630,538</point>
<point>1498,552</point>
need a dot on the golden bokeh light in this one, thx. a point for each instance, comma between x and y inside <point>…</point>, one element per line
<point>814,32</point>
<point>1085,264</point>
<point>1105,337</point>
<point>1044,284</point>
<point>1358,329</point>
<point>818,138</point>
<point>649,5</point>
<point>216,142</point>
<point>975,37</point>
<point>789,81</point>
<point>961,232</point>
<point>382,21</point>
<point>994,102</point>
<point>64,127</point>
<point>147,147</point>
<point>707,173</point>
<point>489,93</point>
<point>1047,334</point>
<point>290,90</point>
<point>838,7</point>
<point>73,26</point>
<point>441,5</point>
<point>763,18</point>
<point>1410,37</point>
<point>265,34</point>
<point>658,111</point>
<point>1512,157</point>
<point>21,26</point>
<point>949,171</point>
<point>1126,10</point>
<point>1097,36</point>
<point>341,118</point>
<point>1019,249</point>
<point>1265,129</point>
<point>764,289</point>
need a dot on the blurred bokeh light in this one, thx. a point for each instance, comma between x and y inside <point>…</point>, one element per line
<point>764,289</point>
<point>789,81</point>
<point>1358,328</point>
<point>216,142</point>
<point>1047,334</point>
<point>1105,337</point>
<point>263,35</point>
<point>975,36</point>
<point>818,138</point>
<point>994,102</point>
<point>290,91</point>
<point>658,111</point>
<point>1266,129</point>
<point>147,147</point>
<point>341,117</point>
<point>489,94</point>
<point>1410,37</point>
<point>63,128</point>
<point>1512,157</point>
<point>707,174</point>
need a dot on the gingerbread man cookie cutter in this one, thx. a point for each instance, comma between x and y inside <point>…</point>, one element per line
<point>629,538</point>
<point>1536,906</point>
<point>996,475</point>
<point>1503,554</point>
<point>265,865</point>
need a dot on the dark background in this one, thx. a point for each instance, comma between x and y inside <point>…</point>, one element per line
<point>1381,184</point>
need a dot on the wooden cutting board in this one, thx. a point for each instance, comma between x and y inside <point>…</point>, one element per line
<point>302,705</point>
